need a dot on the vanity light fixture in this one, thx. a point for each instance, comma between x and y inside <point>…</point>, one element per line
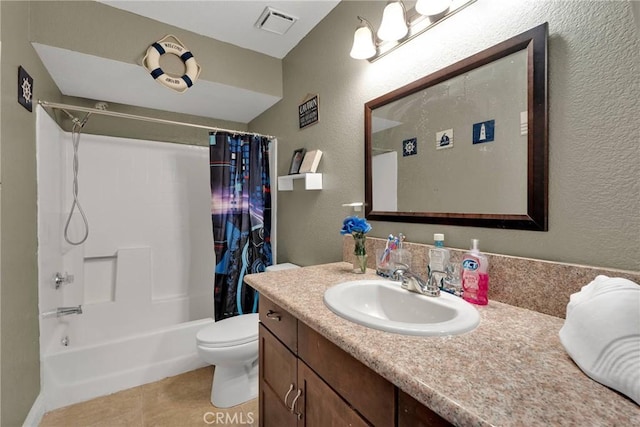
<point>394,22</point>
<point>398,26</point>
<point>364,45</point>
<point>432,7</point>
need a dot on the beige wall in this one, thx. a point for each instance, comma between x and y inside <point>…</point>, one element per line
<point>126,128</point>
<point>1,97</point>
<point>19,328</point>
<point>20,368</point>
<point>594,196</point>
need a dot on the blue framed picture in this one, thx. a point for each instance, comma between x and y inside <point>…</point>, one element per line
<point>484,131</point>
<point>410,147</point>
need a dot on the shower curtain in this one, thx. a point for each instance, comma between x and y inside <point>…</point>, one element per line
<point>241,218</point>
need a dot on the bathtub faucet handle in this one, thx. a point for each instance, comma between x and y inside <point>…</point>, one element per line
<point>61,279</point>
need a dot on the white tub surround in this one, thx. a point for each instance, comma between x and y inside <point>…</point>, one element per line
<point>144,277</point>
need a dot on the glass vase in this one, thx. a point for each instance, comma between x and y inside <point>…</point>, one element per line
<point>360,252</point>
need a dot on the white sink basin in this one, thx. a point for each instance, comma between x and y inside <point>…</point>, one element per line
<point>384,305</point>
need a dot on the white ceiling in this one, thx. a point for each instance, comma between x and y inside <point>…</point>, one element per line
<point>108,80</point>
<point>232,21</point>
<point>88,76</point>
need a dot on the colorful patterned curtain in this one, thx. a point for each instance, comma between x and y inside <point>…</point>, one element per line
<point>241,217</point>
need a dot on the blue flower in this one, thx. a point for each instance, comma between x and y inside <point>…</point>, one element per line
<point>354,224</point>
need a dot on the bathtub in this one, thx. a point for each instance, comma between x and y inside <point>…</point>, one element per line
<point>77,373</point>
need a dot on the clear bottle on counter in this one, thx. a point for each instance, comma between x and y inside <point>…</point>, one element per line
<point>438,259</point>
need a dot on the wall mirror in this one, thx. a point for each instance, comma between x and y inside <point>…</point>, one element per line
<point>466,145</point>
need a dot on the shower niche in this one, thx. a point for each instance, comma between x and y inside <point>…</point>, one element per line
<point>100,273</point>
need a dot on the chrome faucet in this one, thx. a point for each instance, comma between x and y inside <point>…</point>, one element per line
<point>62,311</point>
<point>414,283</point>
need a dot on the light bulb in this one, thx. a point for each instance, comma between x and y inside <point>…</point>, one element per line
<point>432,7</point>
<point>394,22</point>
<point>363,45</point>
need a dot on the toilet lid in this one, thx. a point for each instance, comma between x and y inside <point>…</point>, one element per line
<point>229,332</point>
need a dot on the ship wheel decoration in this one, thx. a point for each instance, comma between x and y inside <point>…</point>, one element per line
<point>25,89</point>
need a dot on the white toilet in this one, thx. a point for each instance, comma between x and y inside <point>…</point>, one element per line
<point>231,345</point>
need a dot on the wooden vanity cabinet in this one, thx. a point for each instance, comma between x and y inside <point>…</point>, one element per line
<point>366,391</point>
<point>278,365</point>
<point>306,380</point>
<point>291,394</point>
<point>412,413</point>
<point>278,379</point>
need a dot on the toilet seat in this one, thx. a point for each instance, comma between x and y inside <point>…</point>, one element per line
<point>229,332</point>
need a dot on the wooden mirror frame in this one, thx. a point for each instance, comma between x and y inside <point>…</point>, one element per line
<point>534,42</point>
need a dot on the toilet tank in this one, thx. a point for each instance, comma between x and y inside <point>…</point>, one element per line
<point>283,266</point>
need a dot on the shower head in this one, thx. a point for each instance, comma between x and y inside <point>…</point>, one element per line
<point>77,123</point>
<point>99,106</point>
<point>84,120</point>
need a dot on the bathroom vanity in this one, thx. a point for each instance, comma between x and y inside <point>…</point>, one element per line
<point>307,380</point>
<point>318,369</point>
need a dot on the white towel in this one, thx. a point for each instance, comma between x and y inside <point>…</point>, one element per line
<point>601,333</point>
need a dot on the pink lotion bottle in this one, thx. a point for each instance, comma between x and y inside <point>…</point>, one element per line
<point>475,276</point>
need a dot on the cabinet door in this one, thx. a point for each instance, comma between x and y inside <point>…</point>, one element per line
<point>412,413</point>
<point>277,378</point>
<point>319,405</point>
<point>373,396</point>
<point>273,413</point>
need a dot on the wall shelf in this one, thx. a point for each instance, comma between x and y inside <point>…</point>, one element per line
<point>312,181</point>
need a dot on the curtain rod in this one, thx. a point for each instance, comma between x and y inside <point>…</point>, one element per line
<point>65,107</point>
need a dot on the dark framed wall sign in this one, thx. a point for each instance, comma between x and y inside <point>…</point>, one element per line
<point>308,111</point>
<point>25,89</point>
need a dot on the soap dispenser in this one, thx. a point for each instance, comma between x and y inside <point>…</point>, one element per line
<point>475,275</point>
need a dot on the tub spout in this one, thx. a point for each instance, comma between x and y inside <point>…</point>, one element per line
<point>65,311</point>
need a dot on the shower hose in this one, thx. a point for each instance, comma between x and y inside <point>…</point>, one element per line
<point>75,139</point>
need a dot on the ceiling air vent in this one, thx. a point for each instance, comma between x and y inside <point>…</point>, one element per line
<point>275,21</point>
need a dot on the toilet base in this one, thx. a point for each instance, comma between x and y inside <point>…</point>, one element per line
<point>234,385</point>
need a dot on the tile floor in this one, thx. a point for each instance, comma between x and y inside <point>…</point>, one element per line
<point>180,401</point>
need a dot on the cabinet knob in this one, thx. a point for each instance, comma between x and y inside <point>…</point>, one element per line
<point>273,315</point>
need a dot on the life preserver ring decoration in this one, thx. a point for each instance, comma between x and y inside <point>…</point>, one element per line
<point>151,63</point>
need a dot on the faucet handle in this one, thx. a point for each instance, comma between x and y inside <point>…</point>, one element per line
<point>434,282</point>
<point>60,279</point>
<point>402,274</point>
<point>399,271</point>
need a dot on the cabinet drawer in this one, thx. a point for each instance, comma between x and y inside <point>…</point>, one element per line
<point>282,324</point>
<point>364,389</point>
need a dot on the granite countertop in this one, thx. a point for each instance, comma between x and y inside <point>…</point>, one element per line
<point>511,370</point>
